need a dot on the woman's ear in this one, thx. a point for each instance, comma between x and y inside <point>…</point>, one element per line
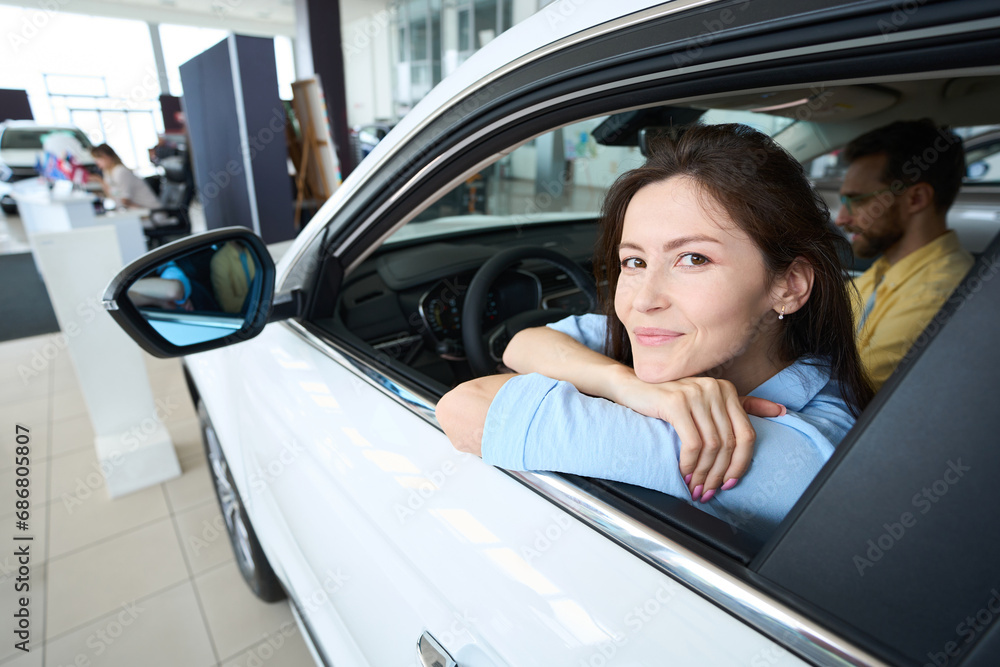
<point>793,288</point>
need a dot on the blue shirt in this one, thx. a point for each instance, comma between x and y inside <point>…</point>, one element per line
<point>537,423</point>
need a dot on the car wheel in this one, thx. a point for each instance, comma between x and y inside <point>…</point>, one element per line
<point>249,555</point>
<point>9,208</point>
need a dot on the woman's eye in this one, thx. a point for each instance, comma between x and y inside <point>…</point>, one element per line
<point>633,263</point>
<point>693,259</point>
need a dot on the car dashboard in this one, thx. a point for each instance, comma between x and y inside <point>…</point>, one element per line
<point>406,301</point>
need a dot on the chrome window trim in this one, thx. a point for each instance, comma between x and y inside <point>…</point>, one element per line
<point>421,404</point>
<point>512,118</point>
<point>770,617</point>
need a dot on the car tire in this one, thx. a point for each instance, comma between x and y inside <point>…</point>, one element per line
<point>250,558</point>
<point>9,209</point>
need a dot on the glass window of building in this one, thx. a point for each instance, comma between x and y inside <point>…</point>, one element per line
<point>433,38</point>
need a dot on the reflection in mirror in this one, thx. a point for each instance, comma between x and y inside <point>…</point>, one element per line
<point>204,295</point>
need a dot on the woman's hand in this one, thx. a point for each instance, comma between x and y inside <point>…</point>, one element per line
<point>711,421</point>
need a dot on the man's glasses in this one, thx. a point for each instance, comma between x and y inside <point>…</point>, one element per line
<point>848,201</point>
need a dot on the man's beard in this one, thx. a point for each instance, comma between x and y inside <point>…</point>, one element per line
<point>879,237</point>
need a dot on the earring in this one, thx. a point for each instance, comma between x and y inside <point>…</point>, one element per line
<point>781,315</point>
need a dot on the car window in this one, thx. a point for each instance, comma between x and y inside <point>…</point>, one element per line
<point>982,159</point>
<point>31,139</point>
<point>560,175</point>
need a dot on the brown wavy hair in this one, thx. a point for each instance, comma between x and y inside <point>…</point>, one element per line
<point>103,150</point>
<point>765,192</point>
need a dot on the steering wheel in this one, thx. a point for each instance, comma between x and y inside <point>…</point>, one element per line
<point>484,354</point>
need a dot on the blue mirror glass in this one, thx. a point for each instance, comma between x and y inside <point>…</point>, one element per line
<point>202,296</point>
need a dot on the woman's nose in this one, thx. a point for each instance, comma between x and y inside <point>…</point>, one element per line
<point>651,294</point>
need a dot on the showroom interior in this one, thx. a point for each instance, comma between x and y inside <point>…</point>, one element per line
<point>203,103</point>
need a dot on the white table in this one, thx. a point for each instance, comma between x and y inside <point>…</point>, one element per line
<point>43,211</point>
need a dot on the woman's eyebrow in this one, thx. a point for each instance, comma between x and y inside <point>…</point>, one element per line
<point>675,243</point>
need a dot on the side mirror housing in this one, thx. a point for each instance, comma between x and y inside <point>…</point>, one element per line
<point>199,293</point>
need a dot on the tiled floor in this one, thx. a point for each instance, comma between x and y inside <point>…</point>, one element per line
<point>147,579</point>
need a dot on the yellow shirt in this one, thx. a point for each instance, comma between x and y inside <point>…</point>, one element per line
<point>910,292</point>
<point>230,280</point>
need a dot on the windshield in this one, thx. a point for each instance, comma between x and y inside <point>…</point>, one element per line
<point>559,176</point>
<point>31,139</point>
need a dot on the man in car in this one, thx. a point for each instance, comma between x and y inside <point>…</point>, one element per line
<point>900,182</point>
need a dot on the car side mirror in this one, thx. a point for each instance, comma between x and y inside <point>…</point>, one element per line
<point>196,294</point>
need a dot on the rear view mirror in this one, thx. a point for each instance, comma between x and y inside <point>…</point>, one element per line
<point>196,294</point>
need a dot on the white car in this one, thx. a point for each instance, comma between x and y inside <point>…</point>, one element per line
<point>317,394</point>
<point>21,150</point>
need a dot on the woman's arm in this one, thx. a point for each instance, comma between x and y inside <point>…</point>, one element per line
<point>709,416</point>
<point>556,355</point>
<point>462,411</point>
<point>531,422</point>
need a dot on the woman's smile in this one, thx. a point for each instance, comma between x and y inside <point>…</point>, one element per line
<point>652,337</point>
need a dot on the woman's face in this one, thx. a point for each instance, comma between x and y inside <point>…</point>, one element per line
<point>103,161</point>
<point>693,291</point>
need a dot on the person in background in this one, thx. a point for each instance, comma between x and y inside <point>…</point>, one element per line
<point>900,182</point>
<point>119,183</point>
<point>233,271</point>
<point>169,289</point>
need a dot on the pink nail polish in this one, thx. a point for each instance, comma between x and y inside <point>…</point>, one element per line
<point>687,477</point>
<point>697,492</point>
<point>784,411</point>
<point>730,483</point>
<point>708,495</point>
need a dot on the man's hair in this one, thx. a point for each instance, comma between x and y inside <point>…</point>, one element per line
<point>917,151</point>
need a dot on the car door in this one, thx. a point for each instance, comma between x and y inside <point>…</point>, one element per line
<point>361,501</point>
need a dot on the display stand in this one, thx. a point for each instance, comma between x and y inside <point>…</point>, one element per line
<point>133,446</point>
<point>42,211</point>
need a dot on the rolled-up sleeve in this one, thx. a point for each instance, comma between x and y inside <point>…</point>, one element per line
<point>537,423</point>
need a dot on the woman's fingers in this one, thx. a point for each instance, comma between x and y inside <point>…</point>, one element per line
<point>761,407</point>
<point>716,435</point>
<point>690,437</point>
<point>716,455</point>
<point>704,403</point>
<point>745,439</point>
